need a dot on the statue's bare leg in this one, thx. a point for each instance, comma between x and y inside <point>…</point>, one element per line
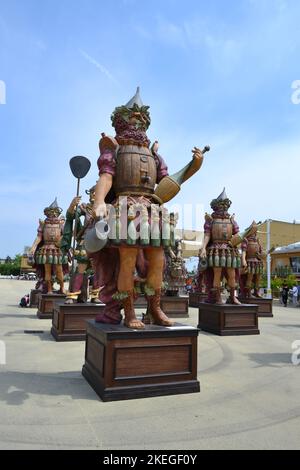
<point>231,284</point>
<point>126,286</point>
<point>257,285</point>
<point>217,286</point>
<point>249,284</point>
<point>60,277</point>
<point>155,258</point>
<point>48,277</point>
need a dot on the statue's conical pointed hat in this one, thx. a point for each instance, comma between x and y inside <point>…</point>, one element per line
<point>54,204</point>
<point>222,196</point>
<point>136,99</point>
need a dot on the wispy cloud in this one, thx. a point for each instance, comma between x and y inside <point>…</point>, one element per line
<point>99,66</point>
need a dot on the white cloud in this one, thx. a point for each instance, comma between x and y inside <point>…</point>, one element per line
<point>99,66</point>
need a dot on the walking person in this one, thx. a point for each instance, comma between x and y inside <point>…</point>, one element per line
<point>295,295</point>
<point>284,293</point>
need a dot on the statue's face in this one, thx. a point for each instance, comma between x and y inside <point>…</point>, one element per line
<point>221,206</point>
<point>52,213</point>
<point>137,118</point>
<point>92,197</point>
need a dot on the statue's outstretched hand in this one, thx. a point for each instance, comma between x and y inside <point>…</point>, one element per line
<point>197,153</point>
<point>100,210</point>
<point>75,201</point>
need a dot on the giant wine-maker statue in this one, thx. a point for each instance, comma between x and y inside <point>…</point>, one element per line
<point>175,272</point>
<point>252,264</point>
<point>221,237</point>
<point>46,251</point>
<point>78,284</point>
<point>129,168</point>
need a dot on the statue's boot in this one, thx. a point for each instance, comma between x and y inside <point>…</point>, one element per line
<point>216,296</point>
<point>49,287</point>
<point>232,298</point>
<point>95,296</point>
<point>158,317</point>
<point>76,284</point>
<point>256,293</point>
<point>130,319</point>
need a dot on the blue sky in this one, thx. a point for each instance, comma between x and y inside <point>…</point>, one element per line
<point>217,73</point>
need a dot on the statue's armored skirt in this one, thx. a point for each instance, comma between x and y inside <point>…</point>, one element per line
<point>136,216</point>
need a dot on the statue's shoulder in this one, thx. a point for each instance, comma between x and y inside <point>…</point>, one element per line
<point>107,142</point>
<point>208,218</point>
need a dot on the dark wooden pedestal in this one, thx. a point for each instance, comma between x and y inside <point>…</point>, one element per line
<point>34,297</point>
<point>70,320</point>
<point>228,320</point>
<point>265,306</point>
<point>196,298</point>
<point>121,364</point>
<point>175,307</point>
<point>46,304</point>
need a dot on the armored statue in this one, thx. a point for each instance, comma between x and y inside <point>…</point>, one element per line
<point>45,251</point>
<point>78,291</point>
<point>134,179</point>
<point>219,250</point>
<point>175,271</point>
<point>252,265</point>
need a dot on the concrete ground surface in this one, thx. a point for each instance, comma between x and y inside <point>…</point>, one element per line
<point>249,399</point>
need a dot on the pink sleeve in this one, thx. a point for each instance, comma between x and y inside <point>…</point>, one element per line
<point>235,228</point>
<point>162,169</point>
<point>207,227</point>
<point>107,163</point>
<point>244,244</point>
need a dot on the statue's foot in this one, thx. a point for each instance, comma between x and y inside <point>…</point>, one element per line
<point>235,301</point>
<point>70,301</point>
<point>163,321</point>
<point>134,323</point>
<point>96,301</point>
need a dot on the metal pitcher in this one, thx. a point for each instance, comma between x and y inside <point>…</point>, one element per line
<point>96,237</point>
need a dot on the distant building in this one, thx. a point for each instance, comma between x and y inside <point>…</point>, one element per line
<point>282,233</point>
<point>286,259</point>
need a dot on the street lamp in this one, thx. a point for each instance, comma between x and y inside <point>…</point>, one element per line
<point>268,233</point>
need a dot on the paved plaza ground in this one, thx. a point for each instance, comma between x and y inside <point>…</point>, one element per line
<point>249,399</point>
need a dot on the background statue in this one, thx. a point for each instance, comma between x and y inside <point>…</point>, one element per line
<point>221,237</point>
<point>78,291</point>
<point>45,252</point>
<point>175,271</point>
<point>252,265</point>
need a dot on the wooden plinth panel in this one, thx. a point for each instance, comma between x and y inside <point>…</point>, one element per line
<point>196,298</point>
<point>34,297</point>
<point>121,364</point>
<point>228,320</point>
<point>70,320</point>
<point>265,306</point>
<point>46,304</point>
<point>175,306</point>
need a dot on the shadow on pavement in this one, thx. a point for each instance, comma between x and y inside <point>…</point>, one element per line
<point>44,335</point>
<point>271,359</point>
<point>296,325</point>
<point>16,387</point>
